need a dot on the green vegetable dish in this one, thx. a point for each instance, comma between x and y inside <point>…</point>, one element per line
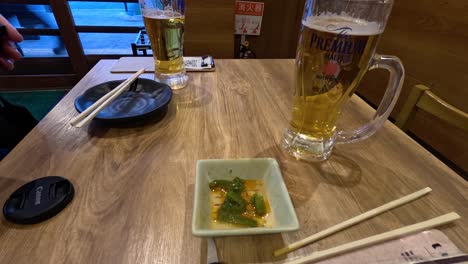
<point>239,202</point>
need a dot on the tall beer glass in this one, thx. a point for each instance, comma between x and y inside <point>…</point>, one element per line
<point>336,48</point>
<point>164,23</point>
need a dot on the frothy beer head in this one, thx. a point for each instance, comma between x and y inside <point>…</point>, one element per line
<point>161,14</point>
<point>343,24</point>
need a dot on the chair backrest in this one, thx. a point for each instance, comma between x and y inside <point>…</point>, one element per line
<point>421,97</point>
<point>209,28</point>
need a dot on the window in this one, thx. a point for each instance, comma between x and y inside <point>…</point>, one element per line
<point>107,16</point>
<point>35,18</point>
<point>93,20</point>
<point>107,43</point>
<point>106,29</point>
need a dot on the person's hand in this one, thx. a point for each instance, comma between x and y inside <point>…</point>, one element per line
<point>8,52</point>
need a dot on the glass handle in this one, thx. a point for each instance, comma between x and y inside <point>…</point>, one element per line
<point>397,75</point>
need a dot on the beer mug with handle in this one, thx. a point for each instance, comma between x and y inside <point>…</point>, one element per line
<point>164,23</point>
<point>336,48</point>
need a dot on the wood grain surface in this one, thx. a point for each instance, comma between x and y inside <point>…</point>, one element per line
<point>209,28</point>
<point>134,186</point>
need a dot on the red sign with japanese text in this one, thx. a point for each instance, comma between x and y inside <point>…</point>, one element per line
<point>249,8</point>
<point>249,17</point>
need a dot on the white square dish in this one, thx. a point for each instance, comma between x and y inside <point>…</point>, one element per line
<point>267,169</point>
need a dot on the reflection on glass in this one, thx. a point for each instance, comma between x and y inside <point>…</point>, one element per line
<point>106,14</point>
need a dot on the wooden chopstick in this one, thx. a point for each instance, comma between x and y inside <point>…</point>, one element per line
<point>90,112</point>
<point>421,226</point>
<point>352,221</point>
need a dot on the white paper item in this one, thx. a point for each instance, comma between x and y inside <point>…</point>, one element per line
<point>426,247</point>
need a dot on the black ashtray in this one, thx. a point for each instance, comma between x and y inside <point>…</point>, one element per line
<point>144,100</point>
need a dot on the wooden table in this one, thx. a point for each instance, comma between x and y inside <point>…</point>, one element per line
<point>134,186</point>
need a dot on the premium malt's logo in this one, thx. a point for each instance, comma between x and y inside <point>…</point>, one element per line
<point>338,43</point>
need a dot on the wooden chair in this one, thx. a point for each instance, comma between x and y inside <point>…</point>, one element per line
<point>421,97</point>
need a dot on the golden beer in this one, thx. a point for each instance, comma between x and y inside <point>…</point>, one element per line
<point>166,35</point>
<point>333,55</point>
